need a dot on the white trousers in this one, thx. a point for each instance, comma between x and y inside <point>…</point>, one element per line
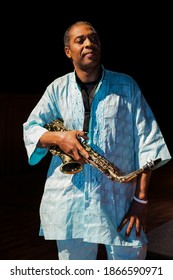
<point>77,249</point>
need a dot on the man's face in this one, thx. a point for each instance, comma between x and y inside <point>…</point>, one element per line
<point>84,47</point>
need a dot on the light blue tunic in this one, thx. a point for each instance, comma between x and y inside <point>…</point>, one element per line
<point>123,129</point>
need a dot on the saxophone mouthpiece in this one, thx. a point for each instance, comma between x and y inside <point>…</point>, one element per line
<point>157,161</point>
<point>152,163</point>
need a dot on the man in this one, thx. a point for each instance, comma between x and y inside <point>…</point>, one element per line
<point>84,209</point>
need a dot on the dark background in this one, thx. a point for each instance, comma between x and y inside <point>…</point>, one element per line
<point>135,40</point>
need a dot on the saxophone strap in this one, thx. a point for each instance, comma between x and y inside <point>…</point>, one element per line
<point>87,91</point>
<point>87,95</point>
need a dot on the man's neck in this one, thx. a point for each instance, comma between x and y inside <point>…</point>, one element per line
<point>89,76</point>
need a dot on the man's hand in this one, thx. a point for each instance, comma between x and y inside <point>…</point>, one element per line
<point>70,144</point>
<point>136,216</point>
<point>67,141</point>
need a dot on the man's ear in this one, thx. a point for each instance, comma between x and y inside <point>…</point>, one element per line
<point>67,52</point>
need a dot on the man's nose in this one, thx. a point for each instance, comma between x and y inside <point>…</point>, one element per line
<point>88,42</point>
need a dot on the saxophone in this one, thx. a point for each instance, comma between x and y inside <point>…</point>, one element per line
<point>108,168</point>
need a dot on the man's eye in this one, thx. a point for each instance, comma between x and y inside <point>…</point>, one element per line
<point>80,41</point>
<point>94,40</point>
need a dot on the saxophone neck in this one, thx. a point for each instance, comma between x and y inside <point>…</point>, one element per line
<point>148,166</point>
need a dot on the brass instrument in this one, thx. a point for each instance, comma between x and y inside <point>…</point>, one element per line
<point>70,166</point>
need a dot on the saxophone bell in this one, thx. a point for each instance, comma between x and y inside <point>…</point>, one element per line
<point>70,166</point>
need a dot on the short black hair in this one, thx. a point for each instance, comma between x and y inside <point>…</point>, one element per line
<point>66,34</point>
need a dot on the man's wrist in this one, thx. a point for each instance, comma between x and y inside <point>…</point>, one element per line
<point>142,201</point>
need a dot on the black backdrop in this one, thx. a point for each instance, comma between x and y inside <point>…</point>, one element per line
<point>134,37</point>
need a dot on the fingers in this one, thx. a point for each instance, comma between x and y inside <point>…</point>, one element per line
<point>138,228</point>
<point>130,226</point>
<point>82,134</point>
<point>80,148</point>
<point>131,222</point>
<point>82,151</point>
<point>75,148</point>
<point>122,224</point>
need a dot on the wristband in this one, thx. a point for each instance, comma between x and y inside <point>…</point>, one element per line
<point>140,200</point>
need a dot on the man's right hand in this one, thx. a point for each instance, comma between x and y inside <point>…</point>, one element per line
<point>67,141</point>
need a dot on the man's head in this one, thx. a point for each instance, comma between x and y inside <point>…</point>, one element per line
<point>82,45</point>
